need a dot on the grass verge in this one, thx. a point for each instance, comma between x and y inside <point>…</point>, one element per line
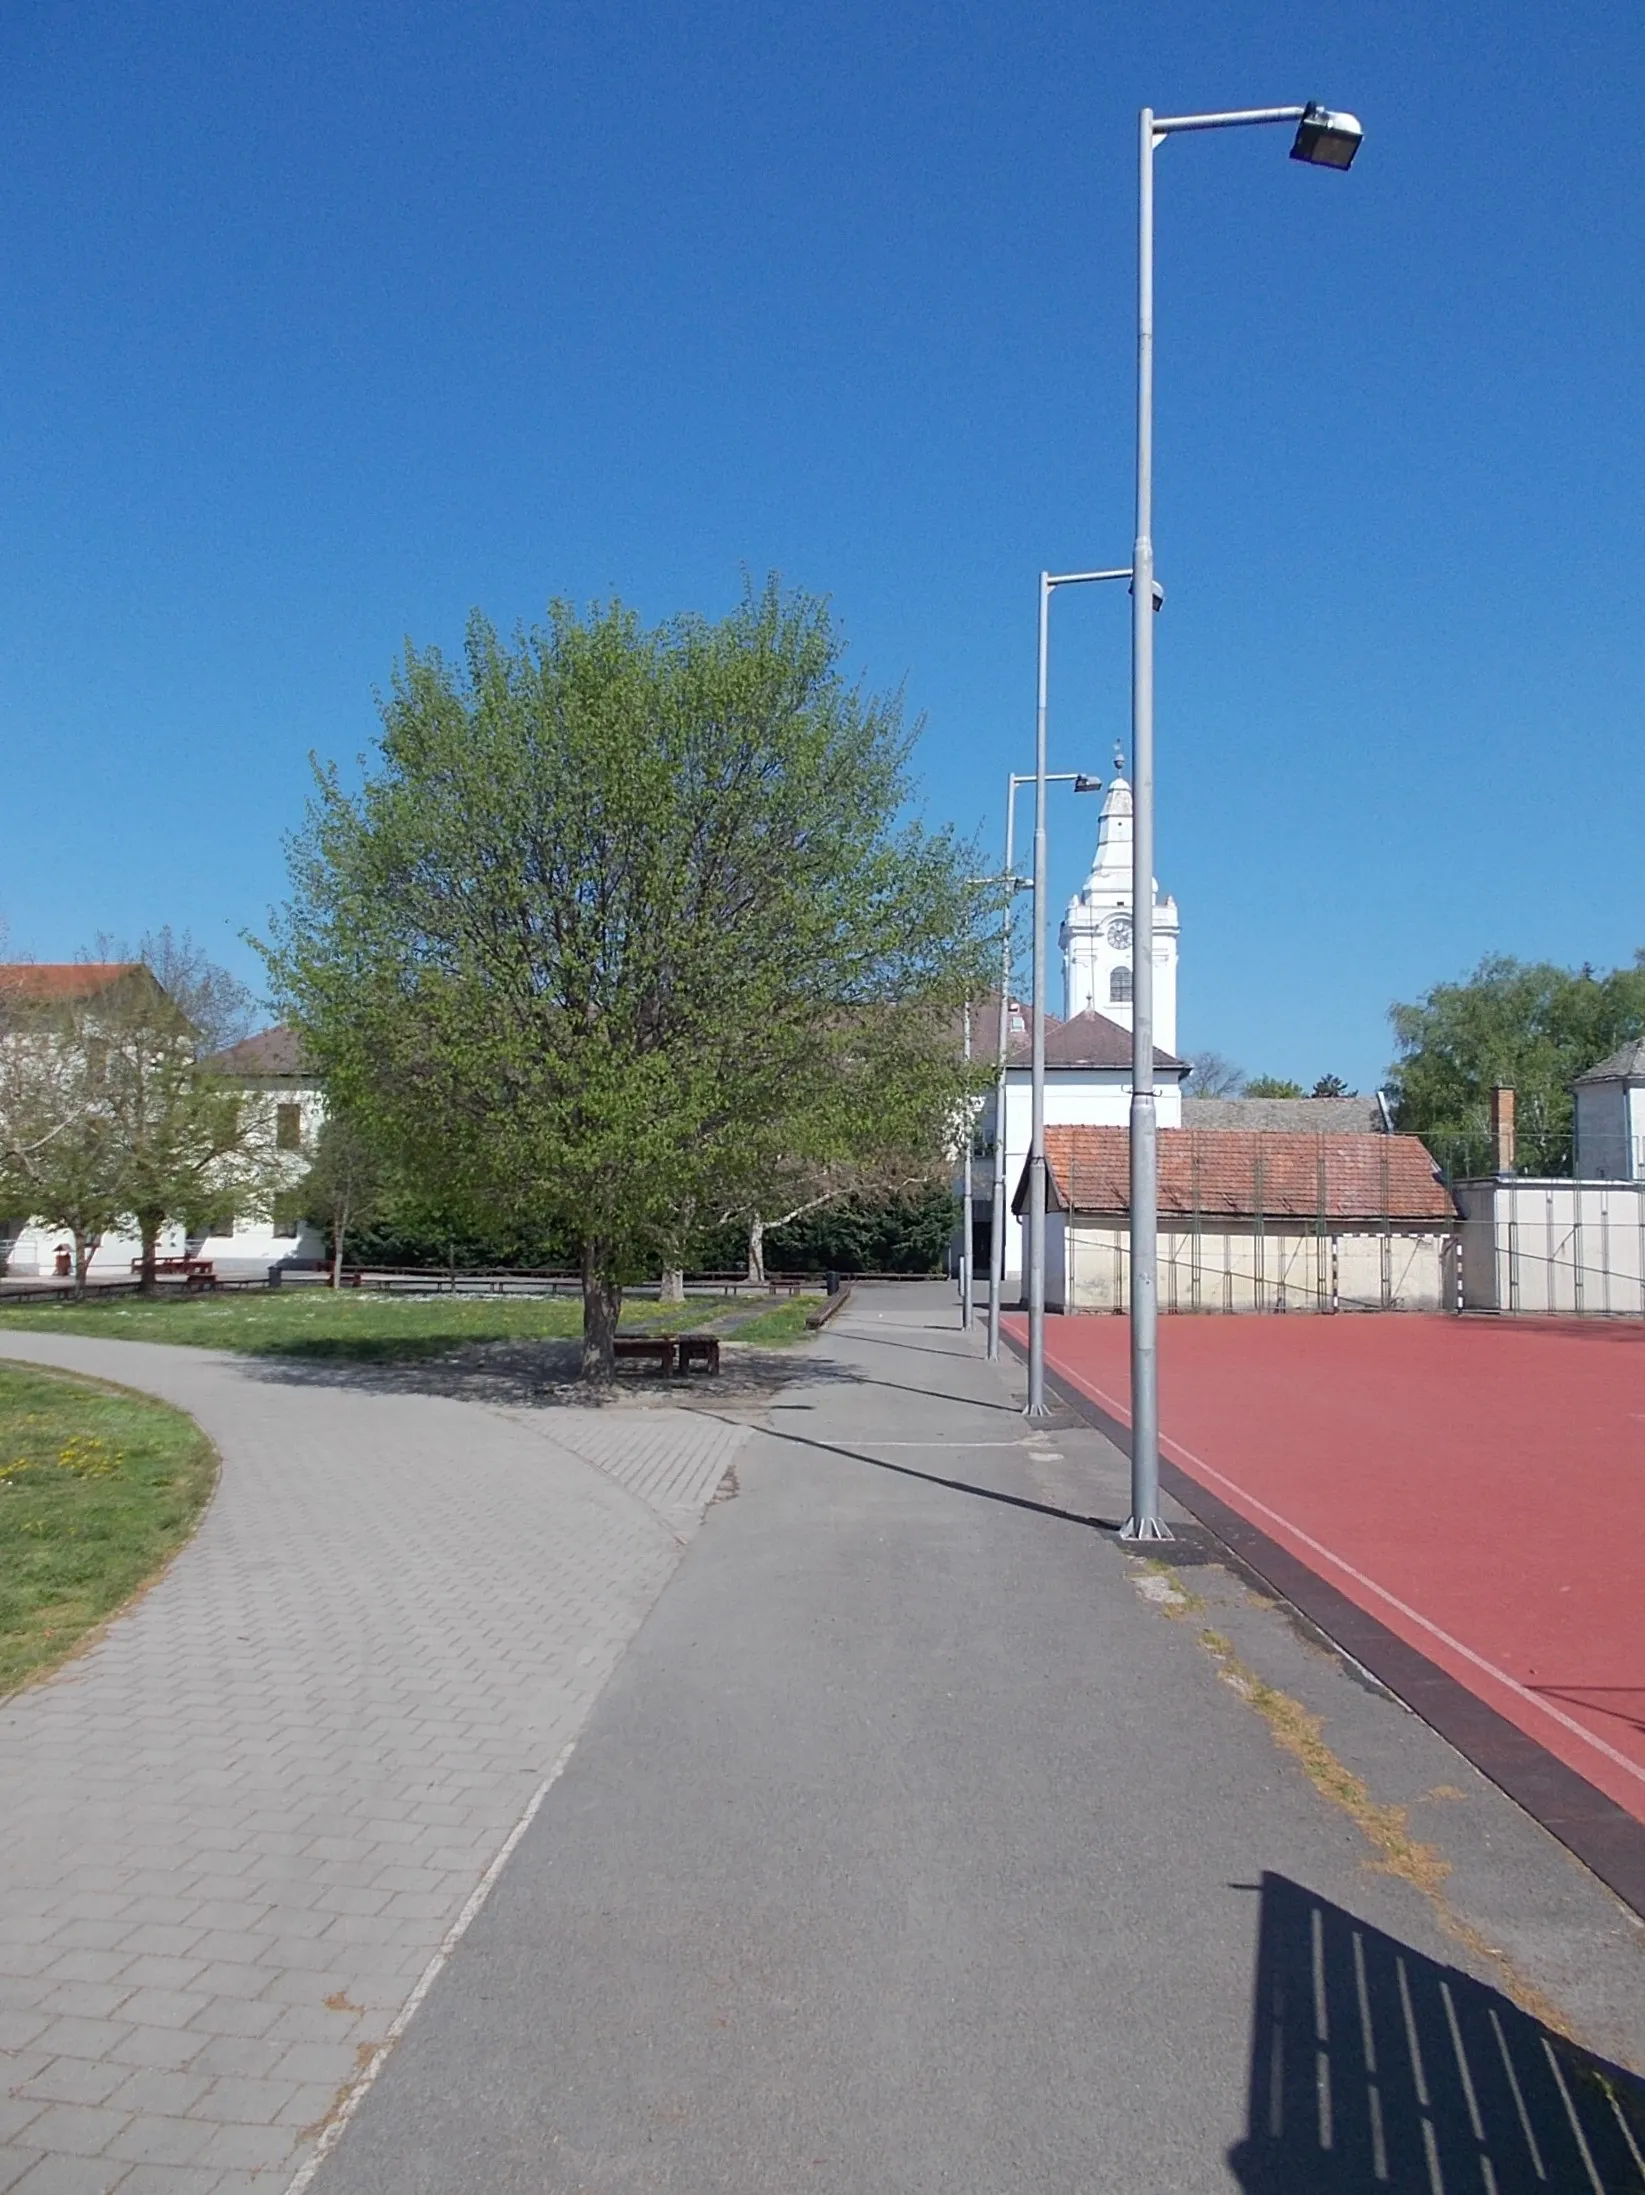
<point>775,1328</point>
<point>348,1325</point>
<point>98,1489</point>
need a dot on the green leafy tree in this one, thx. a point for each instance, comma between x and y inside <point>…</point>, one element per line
<point>58,1162</point>
<point>345,1186</point>
<point>1531,1026</point>
<point>884,1122</point>
<point>1272,1086</point>
<point>908,1232</point>
<point>611,907</point>
<point>1331,1086</point>
<point>183,1141</point>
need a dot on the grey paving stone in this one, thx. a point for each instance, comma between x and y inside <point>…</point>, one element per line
<point>73,2081</point>
<point>253,2148</point>
<point>86,2000</point>
<point>152,1970</point>
<point>170,2179</point>
<point>64,2175</point>
<point>15,2113</point>
<point>160,2089</point>
<point>312,2104</point>
<point>160,2140</point>
<point>274,1782</point>
<point>163,2007</point>
<point>237,2057</point>
<point>162,2046</point>
<point>20,2027</point>
<point>75,2130</point>
<point>14,2163</point>
<point>76,2038</point>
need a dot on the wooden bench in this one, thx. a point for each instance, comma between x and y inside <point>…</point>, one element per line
<point>673,1353</point>
<point>660,1346</point>
<point>196,1272</point>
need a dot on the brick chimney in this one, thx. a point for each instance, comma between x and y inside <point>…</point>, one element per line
<point>1502,1127</point>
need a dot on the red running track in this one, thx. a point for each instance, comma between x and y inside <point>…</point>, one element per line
<point>1476,1485</point>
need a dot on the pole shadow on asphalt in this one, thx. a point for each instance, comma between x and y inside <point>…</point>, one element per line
<point>1376,2070</point>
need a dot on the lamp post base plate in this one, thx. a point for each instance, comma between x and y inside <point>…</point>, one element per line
<point>1146,1528</point>
<point>1037,1410</point>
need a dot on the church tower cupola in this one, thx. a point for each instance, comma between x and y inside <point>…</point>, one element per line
<point>1096,935</point>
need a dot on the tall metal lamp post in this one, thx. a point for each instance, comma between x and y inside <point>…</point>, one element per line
<point>1014,884</point>
<point>1036,1407</point>
<point>1323,140</point>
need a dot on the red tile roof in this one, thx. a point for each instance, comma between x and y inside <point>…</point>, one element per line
<point>1226,1174</point>
<point>63,979</point>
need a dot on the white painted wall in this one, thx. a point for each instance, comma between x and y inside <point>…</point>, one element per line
<point>1553,1246</point>
<point>1096,932</point>
<point>254,1245</point>
<point>1075,1097</point>
<point>249,1250</point>
<point>32,1254</point>
<point>1232,1268</point>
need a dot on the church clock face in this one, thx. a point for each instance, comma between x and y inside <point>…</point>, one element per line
<point>1119,934</point>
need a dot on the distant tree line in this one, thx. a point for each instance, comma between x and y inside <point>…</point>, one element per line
<point>1528,1025</point>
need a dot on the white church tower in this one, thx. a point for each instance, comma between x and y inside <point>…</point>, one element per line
<point>1096,932</point>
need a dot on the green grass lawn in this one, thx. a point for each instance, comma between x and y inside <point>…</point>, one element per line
<point>783,1323</point>
<point>98,1488</point>
<point>351,1325</point>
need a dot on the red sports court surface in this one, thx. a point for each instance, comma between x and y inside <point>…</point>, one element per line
<point>1478,1486</point>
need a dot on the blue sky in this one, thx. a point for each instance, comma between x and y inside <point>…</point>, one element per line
<point>321,325</point>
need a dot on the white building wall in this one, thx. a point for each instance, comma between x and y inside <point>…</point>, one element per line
<point>265,1237</point>
<point>33,1252</point>
<point>253,1245</point>
<point>1075,1097</point>
<point>1096,934</point>
<point>1235,1269</point>
<point>1576,1247</point>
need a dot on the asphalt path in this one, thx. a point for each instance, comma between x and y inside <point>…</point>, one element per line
<point>919,1844</point>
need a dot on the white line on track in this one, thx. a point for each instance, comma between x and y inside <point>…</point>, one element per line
<point>1198,1466</point>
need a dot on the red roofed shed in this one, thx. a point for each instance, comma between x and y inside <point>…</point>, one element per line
<point>1276,1221</point>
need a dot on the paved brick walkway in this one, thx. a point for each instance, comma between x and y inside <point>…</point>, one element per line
<point>234,1833</point>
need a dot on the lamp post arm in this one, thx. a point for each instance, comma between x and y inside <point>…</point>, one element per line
<point>1236,118</point>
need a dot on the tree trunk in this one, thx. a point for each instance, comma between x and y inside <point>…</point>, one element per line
<point>756,1250</point>
<point>338,1230</point>
<point>602,1301</point>
<point>673,1284</point>
<point>85,1249</point>
<point>149,1225</point>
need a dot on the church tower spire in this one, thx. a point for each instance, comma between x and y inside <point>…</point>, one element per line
<point>1096,935</point>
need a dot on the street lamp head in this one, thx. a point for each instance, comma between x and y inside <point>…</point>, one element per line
<point>1327,140</point>
<point>1084,784</point>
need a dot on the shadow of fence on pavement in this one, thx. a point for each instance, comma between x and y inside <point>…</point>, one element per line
<point>1377,2071</point>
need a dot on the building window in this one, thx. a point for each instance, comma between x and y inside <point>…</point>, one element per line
<point>288,1127</point>
<point>288,1214</point>
<point>1119,987</point>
